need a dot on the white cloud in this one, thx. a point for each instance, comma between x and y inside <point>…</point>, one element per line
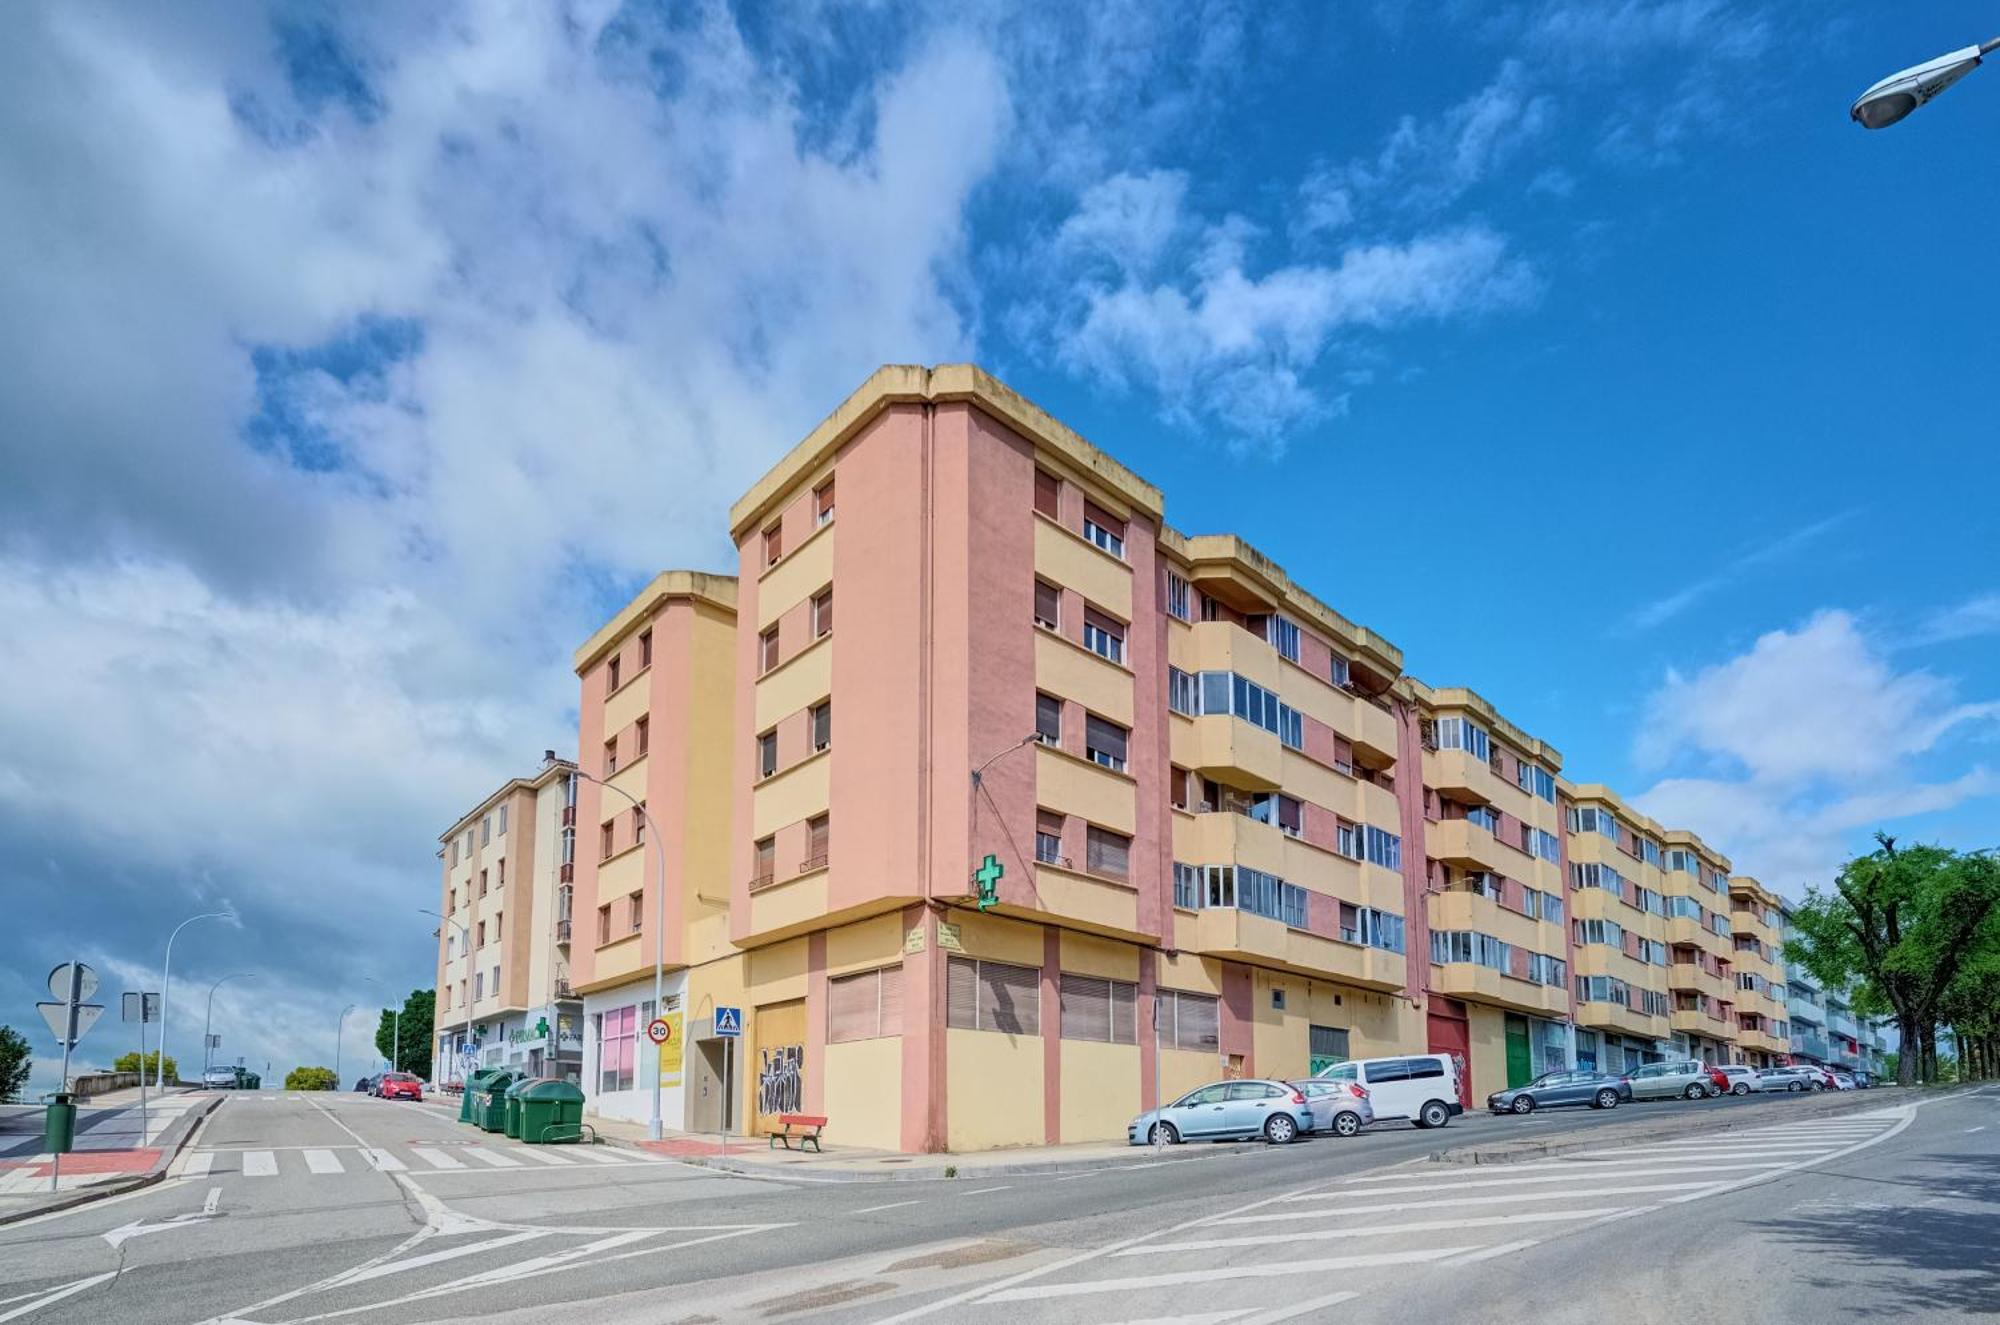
<point>1673,604</point>
<point>1971,619</point>
<point>1127,219</point>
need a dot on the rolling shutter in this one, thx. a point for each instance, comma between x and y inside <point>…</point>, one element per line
<point>1086,1008</point>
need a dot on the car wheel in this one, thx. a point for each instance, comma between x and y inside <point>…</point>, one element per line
<point>1163,1134</point>
<point>1606,1099</point>
<point>1792,1087</point>
<point>1434,1114</point>
<point>1523,1104</point>
<point>1279,1129</point>
<point>1694,1090</point>
<point>1740,1088</point>
<point>1346,1124</point>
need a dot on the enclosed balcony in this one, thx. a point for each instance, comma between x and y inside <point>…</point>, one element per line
<point>1470,846</point>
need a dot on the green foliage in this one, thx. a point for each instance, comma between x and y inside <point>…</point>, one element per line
<point>130,1063</point>
<point>310,1078</point>
<point>16,1061</point>
<point>414,1029</point>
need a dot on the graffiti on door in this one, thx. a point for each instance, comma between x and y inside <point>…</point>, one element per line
<point>781,1079</point>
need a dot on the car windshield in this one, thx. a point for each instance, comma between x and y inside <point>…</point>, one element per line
<point>1551,1078</point>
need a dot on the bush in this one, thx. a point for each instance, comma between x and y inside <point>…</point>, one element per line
<point>130,1063</point>
<point>310,1078</point>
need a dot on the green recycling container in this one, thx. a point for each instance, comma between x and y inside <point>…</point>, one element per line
<point>513,1106</point>
<point>468,1099</point>
<point>551,1111</point>
<point>59,1128</point>
<point>491,1110</point>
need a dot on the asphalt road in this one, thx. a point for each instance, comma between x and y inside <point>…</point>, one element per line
<point>295,1208</point>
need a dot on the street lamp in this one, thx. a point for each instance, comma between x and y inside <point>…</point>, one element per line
<point>208,1017</point>
<point>653,1130</point>
<point>465,939</point>
<point>166,975</point>
<point>340,1029</point>
<point>395,1026</point>
<point>1900,93</point>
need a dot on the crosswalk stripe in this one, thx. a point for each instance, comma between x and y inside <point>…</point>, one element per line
<point>601,1157</point>
<point>493,1157</point>
<point>545,1156</point>
<point>438,1159</point>
<point>259,1164</point>
<point>1325,1265</point>
<point>199,1164</point>
<point>383,1162</point>
<point>323,1161</point>
<point>1718,1152</point>
<point>1567,1173</point>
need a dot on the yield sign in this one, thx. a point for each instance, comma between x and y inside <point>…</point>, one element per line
<point>68,1032</point>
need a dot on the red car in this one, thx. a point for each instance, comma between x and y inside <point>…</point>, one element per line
<point>400,1086</point>
<point>1718,1080</point>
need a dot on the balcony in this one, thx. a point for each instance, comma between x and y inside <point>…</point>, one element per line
<point>1693,1021</point>
<point>1461,908</point>
<point>1462,776</point>
<point>1483,984</point>
<point>563,933</point>
<point>1375,732</point>
<point>1242,936</point>
<point>1465,844</point>
<point>1689,976</point>
<point>563,988</point>
<point>1232,751</point>
<point>1620,1018</point>
<point>1685,929</point>
<point>1811,1046</point>
<point>1762,1041</point>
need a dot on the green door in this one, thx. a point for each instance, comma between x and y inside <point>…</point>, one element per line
<point>1520,1064</point>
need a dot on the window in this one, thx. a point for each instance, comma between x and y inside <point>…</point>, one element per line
<point>1384,849</point>
<point>641,736</point>
<point>1375,929</point>
<point>1048,837</point>
<point>1552,908</point>
<point>1267,895</point>
<point>1183,693</point>
<point>867,1006</point>
<point>767,754</point>
<point>822,613</point>
<point>1485,816</point>
<point>1190,1021</point>
<point>1326,1045</point>
<point>1283,636</point>
<point>1178,597</point>
<point>1340,673</point>
<point>774,544</point>
<point>646,648</point>
<point>821,718</point>
<point>479,934</point>
<point>1228,693</point>
<point>612,679</point>
<point>468,841</point>
<point>500,873</point>
<point>617,1048</point>
<point>635,905</point>
<point>1104,742</point>
<point>1187,886</point>
<point>450,904</point>
<point>764,862</point>
<point>611,756</point>
<point>1462,734</point>
<point>1546,970</point>
<point>992,996</point>
<point>500,822</point>
<point>1600,931</point>
<point>1535,780</point>
<point>1103,529</point>
<point>1107,853</point>
<point>1347,840</point>
<point>1590,819</point>
<point>639,824</point>
<point>1047,490</point>
<point>1542,844</point>
<point>604,840</point>
<point>1649,851</point>
<point>478,985</point>
<point>1048,719</point>
<point>1685,861</point>
<point>819,829</point>
<point>482,883</point>
<point>496,925</point>
<point>767,650</point>
<point>1103,636</point>
<point>485,829</point>
<point>604,924</point>
<point>1652,902</point>
<point>822,503</point>
<point>1048,605</point>
<point>1096,1009</point>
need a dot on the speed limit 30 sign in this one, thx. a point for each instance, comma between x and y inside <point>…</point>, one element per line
<point>658,1031</point>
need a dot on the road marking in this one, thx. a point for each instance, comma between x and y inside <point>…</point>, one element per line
<point>323,1161</point>
<point>199,1164</point>
<point>1488,1253</point>
<point>1568,1172</point>
<point>1388,1206</point>
<point>1980,1128</point>
<point>1204,1318</point>
<point>259,1164</point>
<point>893,1205</point>
<point>438,1159</point>
<point>55,1295</point>
<point>1295,1309</point>
<point>214,1199</point>
<point>493,1157</point>
<point>1140,1283</point>
<point>600,1158</point>
<point>1372,1231</point>
<point>382,1161</point>
<point>981,1191</point>
<point>1072,1177</point>
<point>546,1157</point>
<point>435,1257</point>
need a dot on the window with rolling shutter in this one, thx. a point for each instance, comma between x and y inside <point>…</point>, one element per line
<point>1104,742</point>
<point>992,996</point>
<point>866,1006</point>
<point>1098,1009</point>
<point>1048,837</point>
<point>1048,604</point>
<point>1046,489</point>
<point>1190,1021</point>
<point>1108,853</point>
<point>1048,719</point>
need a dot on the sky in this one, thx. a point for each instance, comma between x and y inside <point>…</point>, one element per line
<point>357,361</point>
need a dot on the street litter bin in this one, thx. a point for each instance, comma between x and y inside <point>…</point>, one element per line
<point>551,1111</point>
<point>468,1099</point>
<point>59,1128</point>
<point>513,1104</point>
<point>491,1111</point>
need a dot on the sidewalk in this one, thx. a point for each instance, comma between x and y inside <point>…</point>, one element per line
<point>90,1173</point>
<point>754,1156</point>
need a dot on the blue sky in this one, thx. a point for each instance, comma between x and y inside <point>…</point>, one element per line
<point>357,361</point>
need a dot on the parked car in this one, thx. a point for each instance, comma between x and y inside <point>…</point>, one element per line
<point>1864,1080</point>
<point>399,1086</point>
<point>1422,1088</point>
<point>219,1078</point>
<point>1227,1111</point>
<point>1844,1081</point>
<point>365,1086</point>
<point>1340,1107</point>
<point>1737,1078</point>
<point>1786,1079</point>
<point>1553,1090</point>
<point>1678,1078</point>
<point>1822,1077</point>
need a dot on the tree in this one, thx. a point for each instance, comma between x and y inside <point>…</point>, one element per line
<point>1904,921</point>
<point>16,1061</point>
<point>310,1078</point>
<point>1971,1006</point>
<point>414,1028</point>
<point>130,1063</point>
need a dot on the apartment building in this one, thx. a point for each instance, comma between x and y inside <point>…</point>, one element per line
<point>500,960</point>
<point>649,883</point>
<point>1763,1019</point>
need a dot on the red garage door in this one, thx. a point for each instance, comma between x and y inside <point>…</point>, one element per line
<point>1452,1035</point>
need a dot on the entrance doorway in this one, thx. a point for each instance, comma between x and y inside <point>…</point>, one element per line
<point>1520,1058</point>
<point>1451,1034</point>
<point>776,1072</point>
<point>705,1104</point>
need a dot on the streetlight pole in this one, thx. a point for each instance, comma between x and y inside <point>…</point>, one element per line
<point>166,975</point>
<point>653,1129</point>
<point>340,1029</point>
<point>1902,92</point>
<point>208,1017</point>
<point>465,940</point>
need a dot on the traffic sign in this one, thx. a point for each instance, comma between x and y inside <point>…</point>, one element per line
<point>728,1022</point>
<point>66,1029</point>
<point>59,981</point>
<point>68,1020</point>
<point>658,1031</point>
<point>134,1007</point>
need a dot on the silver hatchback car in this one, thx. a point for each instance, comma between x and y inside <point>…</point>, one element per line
<point>1677,1078</point>
<point>1339,1107</point>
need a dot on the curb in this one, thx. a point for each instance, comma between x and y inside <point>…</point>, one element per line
<point>933,1173</point>
<point>171,1146</point>
<point>1511,1152</point>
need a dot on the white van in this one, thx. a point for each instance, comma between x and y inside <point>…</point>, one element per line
<point>1422,1088</point>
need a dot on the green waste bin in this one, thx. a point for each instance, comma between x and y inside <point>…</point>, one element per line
<point>551,1111</point>
<point>468,1099</point>
<point>59,1128</point>
<point>491,1110</point>
<point>513,1105</point>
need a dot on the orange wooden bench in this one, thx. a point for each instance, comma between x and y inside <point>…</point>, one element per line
<point>804,1126</point>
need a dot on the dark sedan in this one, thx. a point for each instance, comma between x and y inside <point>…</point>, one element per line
<point>1553,1090</point>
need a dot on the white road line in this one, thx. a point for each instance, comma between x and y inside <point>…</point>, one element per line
<point>435,1257</point>
<point>58,1294</point>
<point>382,1161</point>
<point>1980,1128</point>
<point>1718,1152</point>
<point>324,1161</point>
<point>259,1164</point>
<point>1488,1253</point>
<point>1296,1309</point>
<point>893,1205</point>
<point>981,1191</point>
<point>1559,1171</point>
<point>1204,1318</point>
<point>198,1164</point>
<point>1389,1206</point>
<point>1372,1231</point>
<point>493,1157</point>
<point>1141,1283</point>
<point>1072,1177</point>
<point>437,1159</point>
<point>601,1157</point>
<point>544,1156</point>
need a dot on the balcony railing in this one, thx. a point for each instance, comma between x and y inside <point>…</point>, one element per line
<point>562,931</point>
<point>763,880</point>
<point>814,862</point>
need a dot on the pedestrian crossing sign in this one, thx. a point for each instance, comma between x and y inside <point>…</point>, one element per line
<point>728,1021</point>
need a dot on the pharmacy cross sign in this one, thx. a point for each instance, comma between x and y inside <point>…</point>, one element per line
<point>987,876</point>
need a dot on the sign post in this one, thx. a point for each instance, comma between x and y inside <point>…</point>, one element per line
<point>728,1029</point>
<point>68,1019</point>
